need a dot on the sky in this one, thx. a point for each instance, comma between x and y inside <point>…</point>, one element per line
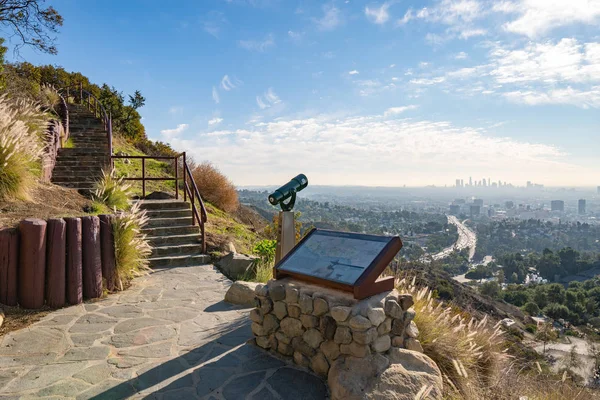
<point>351,92</point>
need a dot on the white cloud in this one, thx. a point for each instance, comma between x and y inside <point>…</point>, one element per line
<point>226,83</point>
<point>537,17</point>
<point>469,33</point>
<point>215,95</point>
<point>331,18</point>
<point>268,99</point>
<point>215,121</point>
<point>398,110</point>
<point>258,45</point>
<point>580,98</point>
<point>174,132</point>
<point>427,81</point>
<point>353,72</point>
<point>461,56</point>
<point>411,152</point>
<point>295,36</point>
<point>378,15</point>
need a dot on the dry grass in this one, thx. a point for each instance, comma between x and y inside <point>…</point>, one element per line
<point>215,187</point>
<point>472,356</point>
<point>22,129</point>
<point>131,247</point>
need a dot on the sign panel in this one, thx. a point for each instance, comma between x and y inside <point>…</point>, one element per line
<point>341,258</point>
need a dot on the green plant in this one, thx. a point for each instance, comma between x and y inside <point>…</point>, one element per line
<point>20,147</point>
<point>112,192</point>
<point>531,328</point>
<point>131,247</point>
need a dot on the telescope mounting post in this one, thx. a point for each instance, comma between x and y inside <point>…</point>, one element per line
<point>286,234</point>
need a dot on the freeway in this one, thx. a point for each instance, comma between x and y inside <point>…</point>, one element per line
<point>466,238</point>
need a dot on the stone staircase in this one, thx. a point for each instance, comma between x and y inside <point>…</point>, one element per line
<point>81,166</point>
<point>175,241</point>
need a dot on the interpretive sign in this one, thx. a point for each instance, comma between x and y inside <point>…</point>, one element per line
<point>342,260</point>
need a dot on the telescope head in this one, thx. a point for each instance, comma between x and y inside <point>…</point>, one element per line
<point>288,191</point>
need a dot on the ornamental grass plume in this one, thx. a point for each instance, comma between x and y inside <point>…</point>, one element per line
<point>22,132</point>
<point>131,246</point>
<point>467,351</point>
<point>113,192</point>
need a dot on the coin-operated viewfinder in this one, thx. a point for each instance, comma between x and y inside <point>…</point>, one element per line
<point>286,232</point>
<point>288,191</point>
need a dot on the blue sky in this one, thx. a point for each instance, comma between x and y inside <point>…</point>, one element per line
<point>351,92</point>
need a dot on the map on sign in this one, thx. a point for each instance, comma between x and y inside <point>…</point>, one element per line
<point>336,256</point>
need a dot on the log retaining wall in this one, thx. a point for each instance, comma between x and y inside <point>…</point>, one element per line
<point>56,262</point>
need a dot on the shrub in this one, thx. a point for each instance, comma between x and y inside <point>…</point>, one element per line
<point>215,187</point>
<point>21,146</point>
<point>131,247</point>
<point>467,351</point>
<point>112,192</point>
<point>531,328</point>
<point>531,308</point>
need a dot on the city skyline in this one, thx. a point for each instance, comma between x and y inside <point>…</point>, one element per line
<point>380,93</point>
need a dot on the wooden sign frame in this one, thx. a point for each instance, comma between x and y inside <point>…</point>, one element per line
<point>367,284</point>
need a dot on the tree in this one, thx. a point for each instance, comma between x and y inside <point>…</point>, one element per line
<point>546,334</point>
<point>491,289</point>
<point>501,278</point>
<point>31,23</point>
<point>572,361</point>
<point>531,308</point>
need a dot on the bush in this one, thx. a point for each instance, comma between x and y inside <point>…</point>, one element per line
<point>531,328</point>
<point>215,187</point>
<point>131,247</point>
<point>531,308</point>
<point>112,192</point>
<point>21,146</point>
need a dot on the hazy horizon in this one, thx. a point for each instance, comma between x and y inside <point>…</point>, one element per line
<point>372,93</point>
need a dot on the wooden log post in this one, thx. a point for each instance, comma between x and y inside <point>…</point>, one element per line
<point>92,262</point>
<point>56,260</point>
<point>32,263</point>
<point>9,261</point>
<point>108,251</point>
<point>74,261</point>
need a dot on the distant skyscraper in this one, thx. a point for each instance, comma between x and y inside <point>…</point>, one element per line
<point>475,210</point>
<point>581,206</point>
<point>458,183</point>
<point>557,205</point>
<point>598,189</point>
<point>478,202</point>
<point>454,209</point>
<point>471,183</point>
<point>462,183</point>
<point>509,204</point>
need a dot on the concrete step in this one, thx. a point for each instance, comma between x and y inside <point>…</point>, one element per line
<point>169,213</point>
<point>77,178</point>
<point>78,185</point>
<point>83,151</point>
<point>73,164</point>
<point>93,157</point>
<point>165,204</point>
<point>171,230</point>
<point>179,261</point>
<point>169,222</point>
<point>172,240</point>
<point>71,170</point>
<point>182,249</point>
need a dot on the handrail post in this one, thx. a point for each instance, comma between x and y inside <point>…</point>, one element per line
<point>176,178</point>
<point>143,178</point>
<point>81,92</point>
<point>193,214</point>
<point>184,178</point>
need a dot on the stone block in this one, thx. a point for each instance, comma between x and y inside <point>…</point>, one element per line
<point>236,264</point>
<point>365,337</point>
<point>292,327</point>
<point>376,316</point>
<point>320,307</point>
<point>313,338</point>
<point>343,335</point>
<point>277,292</point>
<point>261,290</point>
<point>412,330</point>
<point>327,326</point>
<point>301,359</point>
<point>359,350</point>
<point>291,295</point>
<point>256,316</point>
<point>398,341</point>
<point>319,364</point>
<point>413,344</point>
<point>359,323</point>
<point>409,315</point>
<point>398,327</point>
<point>385,327</point>
<point>309,321</point>
<point>393,309</point>
<point>406,301</point>
<point>294,311</point>
<point>331,350</point>
<point>241,293</point>
<point>282,337</point>
<point>258,329</point>
<point>306,303</point>
<point>381,344</point>
<point>264,342</point>
<point>340,313</point>
<point>270,324</point>
<point>301,346</point>
<point>285,348</point>
<point>280,309</point>
<point>264,304</point>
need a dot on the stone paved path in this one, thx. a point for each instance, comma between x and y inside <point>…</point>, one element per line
<point>170,336</point>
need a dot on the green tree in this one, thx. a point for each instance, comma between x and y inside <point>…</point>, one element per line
<point>572,361</point>
<point>546,334</point>
<point>31,24</point>
<point>491,289</point>
<point>501,278</point>
<point>531,308</point>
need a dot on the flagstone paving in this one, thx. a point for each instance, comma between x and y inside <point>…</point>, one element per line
<point>170,336</point>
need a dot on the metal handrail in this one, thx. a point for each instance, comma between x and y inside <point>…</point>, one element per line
<point>189,191</point>
<point>98,112</point>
